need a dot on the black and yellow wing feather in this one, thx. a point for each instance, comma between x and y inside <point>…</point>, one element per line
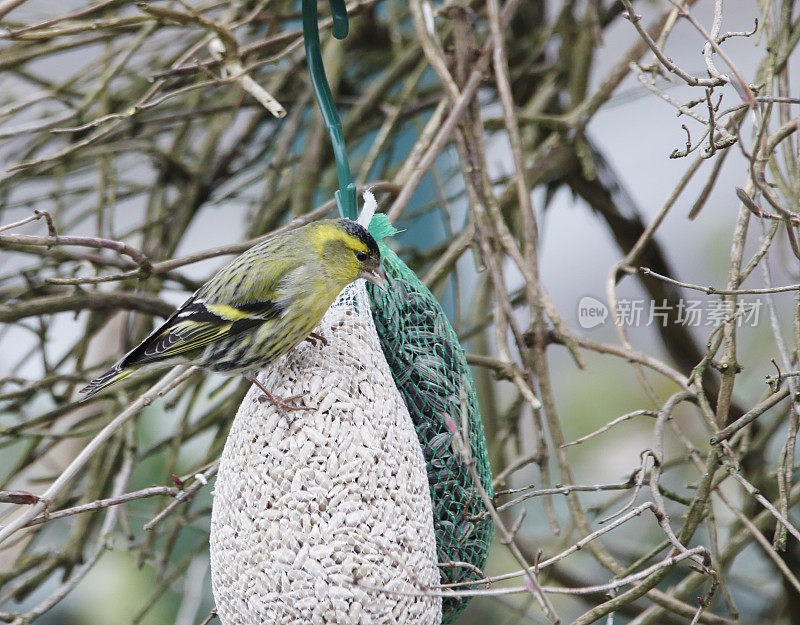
<point>192,327</point>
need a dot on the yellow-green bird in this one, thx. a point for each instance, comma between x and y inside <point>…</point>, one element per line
<point>261,305</point>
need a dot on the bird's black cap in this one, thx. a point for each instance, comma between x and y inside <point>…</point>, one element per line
<point>358,231</point>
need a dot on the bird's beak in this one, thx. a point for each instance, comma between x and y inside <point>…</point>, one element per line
<point>377,276</point>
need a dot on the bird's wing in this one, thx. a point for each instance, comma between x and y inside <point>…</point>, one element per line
<point>251,287</point>
<point>197,324</point>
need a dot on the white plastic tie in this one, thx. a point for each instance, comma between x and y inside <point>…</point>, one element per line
<point>368,212</point>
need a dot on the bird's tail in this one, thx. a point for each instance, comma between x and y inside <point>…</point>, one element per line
<point>115,374</point>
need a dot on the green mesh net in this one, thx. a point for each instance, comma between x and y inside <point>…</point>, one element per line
<point>431,372</point>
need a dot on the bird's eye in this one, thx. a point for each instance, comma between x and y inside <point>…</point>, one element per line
<point>361,256</point>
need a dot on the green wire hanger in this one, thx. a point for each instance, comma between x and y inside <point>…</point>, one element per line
<point>346,197</point>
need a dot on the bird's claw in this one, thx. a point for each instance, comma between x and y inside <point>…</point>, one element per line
<point>284,403</point>
<point>313,337</point>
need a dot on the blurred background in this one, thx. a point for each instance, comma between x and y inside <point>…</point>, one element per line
<point>116,119</point>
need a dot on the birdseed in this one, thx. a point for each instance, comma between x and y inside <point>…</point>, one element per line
<point>312,505</point>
